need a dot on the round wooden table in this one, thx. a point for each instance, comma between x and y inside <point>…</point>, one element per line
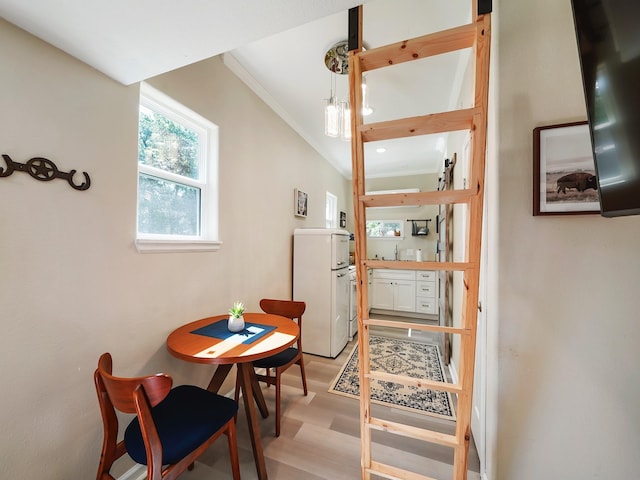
<point>203,341</point>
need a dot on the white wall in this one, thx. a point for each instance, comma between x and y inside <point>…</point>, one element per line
<point>72,284</point>
<point>567,286</point>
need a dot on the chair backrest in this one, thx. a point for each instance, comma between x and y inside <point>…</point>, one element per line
<point>120,391</point>
<point>286,308</point>
<point>134,396</point>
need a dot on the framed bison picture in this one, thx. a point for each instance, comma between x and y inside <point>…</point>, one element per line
<point>564,175</point>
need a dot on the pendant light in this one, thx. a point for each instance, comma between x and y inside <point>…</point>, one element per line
<point>337,113</point>
<point>337,62</point>
<point>332,114</point>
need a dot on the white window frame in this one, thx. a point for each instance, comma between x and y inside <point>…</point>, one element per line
<point>207,182</point>
<point>331,211</point>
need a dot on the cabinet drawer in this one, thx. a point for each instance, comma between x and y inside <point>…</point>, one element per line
<point>426,276</point>
<point>394,274</point>
<point>426,289</point>
<point>426,305</point>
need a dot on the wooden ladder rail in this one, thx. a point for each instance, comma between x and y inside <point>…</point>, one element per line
<point>476,35</point>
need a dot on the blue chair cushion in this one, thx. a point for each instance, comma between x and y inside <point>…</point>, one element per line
<point>277,360</point>
<point>187,417</point>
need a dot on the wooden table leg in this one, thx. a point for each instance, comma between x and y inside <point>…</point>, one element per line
<point>218,377</point>
<point>257,394</point>
<point>244,374</point>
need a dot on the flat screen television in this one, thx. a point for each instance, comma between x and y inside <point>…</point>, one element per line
<point>608,35</point>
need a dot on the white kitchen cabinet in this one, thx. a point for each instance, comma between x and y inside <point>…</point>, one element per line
<point>426,276</point>
<point>394,290</point>
<point>382,294</point>
<point>404,299</point>
<point>426,292</point>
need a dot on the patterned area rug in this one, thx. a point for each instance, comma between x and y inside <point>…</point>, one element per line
<point>401,357</point>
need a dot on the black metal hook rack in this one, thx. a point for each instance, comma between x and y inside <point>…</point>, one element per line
<point>44,170</point>
<point>419,227</point>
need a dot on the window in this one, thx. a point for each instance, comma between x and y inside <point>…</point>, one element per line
<point>177,176</point>
<point>389,229</point>
<point>331,212</point>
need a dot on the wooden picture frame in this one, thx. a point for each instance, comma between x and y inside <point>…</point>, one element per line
<point>564,175</point>
<point>343,219</point>
<point>301,203</point>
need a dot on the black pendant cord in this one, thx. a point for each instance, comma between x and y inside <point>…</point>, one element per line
<point>44,170</point>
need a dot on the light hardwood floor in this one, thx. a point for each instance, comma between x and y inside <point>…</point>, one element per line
<point>320,437</point>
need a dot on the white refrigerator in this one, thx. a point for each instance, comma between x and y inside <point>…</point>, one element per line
<point>321,280</point>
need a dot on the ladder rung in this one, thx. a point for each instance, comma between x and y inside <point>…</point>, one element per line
<point>430,436</point>
<point>440,197</point>
<point>416,382</point>
<point>450,40</point>
<point>415,326</point>
<point>431,123</point>
<point>412,265</point>
<point>395,473</point>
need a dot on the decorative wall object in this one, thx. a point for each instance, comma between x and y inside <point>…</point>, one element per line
<point>44,170</point>
<point>564,175</point>
<point>301,204</point>
<point>343,220</point>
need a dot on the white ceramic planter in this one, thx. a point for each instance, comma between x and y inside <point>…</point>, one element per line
<point>235,324</point>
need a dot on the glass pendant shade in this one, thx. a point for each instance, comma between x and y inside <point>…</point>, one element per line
<point>331,117</point>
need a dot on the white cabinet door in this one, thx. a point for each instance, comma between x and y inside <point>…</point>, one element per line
<point>404,295</point>
<point>382,294</point>
<point>426,289</point>
<point>426,276</point>
<point>426,305</point>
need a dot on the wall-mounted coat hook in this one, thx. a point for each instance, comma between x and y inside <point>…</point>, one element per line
<point>44,170</point>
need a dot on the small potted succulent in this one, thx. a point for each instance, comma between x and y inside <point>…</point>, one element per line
<point>236,320</point>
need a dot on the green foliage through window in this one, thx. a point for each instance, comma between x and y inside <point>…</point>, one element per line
<point>167,145</point>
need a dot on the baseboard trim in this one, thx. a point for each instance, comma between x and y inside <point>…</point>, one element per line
<point>453,372</point>
<point>137,472</point>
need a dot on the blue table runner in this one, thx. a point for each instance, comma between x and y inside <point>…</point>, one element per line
<point>218,329</point>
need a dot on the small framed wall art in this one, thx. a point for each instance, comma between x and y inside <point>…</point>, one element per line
<point>301,203</point>
<point>343,219</point>
<point>564,175</point>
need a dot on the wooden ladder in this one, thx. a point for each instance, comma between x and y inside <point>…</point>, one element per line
<point>476,36</point>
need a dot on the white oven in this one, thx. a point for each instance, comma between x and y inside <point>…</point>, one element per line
<point>353,303</point>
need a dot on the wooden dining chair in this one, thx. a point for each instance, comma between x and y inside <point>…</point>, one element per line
<point>283,360</point>
<point>172,427</point>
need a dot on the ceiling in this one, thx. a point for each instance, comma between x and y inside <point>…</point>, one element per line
<point>277,48</point>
